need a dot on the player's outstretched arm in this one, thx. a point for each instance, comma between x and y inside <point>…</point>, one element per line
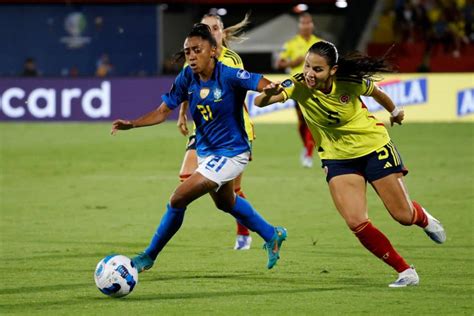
<point>271,93</point>
<point>154,117</point>
<point>397,115</point>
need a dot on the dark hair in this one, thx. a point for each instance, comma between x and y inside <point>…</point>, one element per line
<point>353,64</point>
<point>199,30</point>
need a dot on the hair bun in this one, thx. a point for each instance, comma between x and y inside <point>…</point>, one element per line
<point>201,27</point>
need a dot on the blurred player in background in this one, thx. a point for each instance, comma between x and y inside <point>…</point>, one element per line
<point>215,94</point>
<point>292,57</point>
<point>229,58</point>
<point>355,147</point>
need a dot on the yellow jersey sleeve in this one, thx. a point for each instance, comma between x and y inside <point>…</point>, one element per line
<point>230,58</point>
<point>368,86</point>
<point>288,86</point>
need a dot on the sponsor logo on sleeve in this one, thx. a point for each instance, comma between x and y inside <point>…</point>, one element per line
<point>243,74</point>
<point>287,83</point>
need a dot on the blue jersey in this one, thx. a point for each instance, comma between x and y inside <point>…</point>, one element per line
<point>216,107</point>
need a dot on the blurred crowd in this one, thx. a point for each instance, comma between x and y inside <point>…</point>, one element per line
<point>440,24</point>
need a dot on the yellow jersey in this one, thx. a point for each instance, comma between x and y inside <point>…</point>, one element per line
<point>297,47</point>
<point>340,123</point>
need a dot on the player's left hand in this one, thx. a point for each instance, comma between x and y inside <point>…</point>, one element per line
<point>397,119</point>
<point>182,124</point>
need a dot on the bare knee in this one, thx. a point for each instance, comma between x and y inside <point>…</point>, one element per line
<point>355,222</point>
<point>178,201</point>
<point>225,205</point>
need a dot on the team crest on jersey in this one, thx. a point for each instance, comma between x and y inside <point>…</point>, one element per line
<point>204,92</point>
<point>287,83</point>
<point>243,74</point>
<point>217,94</point>
<point>344,98</point>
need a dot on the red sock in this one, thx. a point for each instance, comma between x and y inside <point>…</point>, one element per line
<point>308,142</point>
<point>419,217</point>
<point>302,131</point>
<point>241,229</point>
<point>376,242</point>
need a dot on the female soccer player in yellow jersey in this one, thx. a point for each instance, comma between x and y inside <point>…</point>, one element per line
<point>355,147</point>
<point>231,59</point>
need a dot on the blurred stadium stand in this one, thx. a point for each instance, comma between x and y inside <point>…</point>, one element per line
<point>429,35</point>
<point>139,37</point>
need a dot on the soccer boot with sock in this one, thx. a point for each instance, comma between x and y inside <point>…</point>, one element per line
<point>142,262</point>
<point>409,277</point>
<point>243,242</point>
<point>273,246</point>
<point>434,229</point>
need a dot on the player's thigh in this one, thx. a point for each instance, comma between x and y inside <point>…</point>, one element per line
<point>348,192</point>
<point>224,198</point>
<point>194,187</point>
<point>190,163</point>
<point>392,190</point>
<point>238,181</point>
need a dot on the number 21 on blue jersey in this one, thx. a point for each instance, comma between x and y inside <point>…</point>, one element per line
<point>205,111</point>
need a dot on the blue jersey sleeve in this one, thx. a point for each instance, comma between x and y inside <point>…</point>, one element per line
<point>241,78</point>
<point>178,92</point>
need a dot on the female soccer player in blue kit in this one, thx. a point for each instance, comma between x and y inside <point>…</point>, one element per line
<point>215,94</point>
<point>229,58</point>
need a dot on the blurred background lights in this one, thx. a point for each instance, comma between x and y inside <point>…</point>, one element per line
<point>341,4</point>
<point>300,8</point>
<point>221,11</point>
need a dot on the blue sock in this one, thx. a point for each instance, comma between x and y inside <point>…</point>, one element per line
<point>169,225</point>
<point>250,218</point>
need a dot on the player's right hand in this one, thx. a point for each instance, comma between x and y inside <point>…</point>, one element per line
<point>397,119</point>
<point>273,88</point>
<point>182,124</point>
<point>120,125</point>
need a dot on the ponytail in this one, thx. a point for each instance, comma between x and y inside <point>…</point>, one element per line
<point>353,64</point>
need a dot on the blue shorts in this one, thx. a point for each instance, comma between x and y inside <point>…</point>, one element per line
<point>376,165</point>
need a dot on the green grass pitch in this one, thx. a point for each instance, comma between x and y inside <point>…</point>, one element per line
<point>71,194</point>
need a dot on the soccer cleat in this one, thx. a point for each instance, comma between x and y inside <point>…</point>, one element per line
<point>303,156</point>
<point>273,246</point>
<point>434,229</point>
<point>243,242</point>
<point>142,262</point>
<point>409,277</point>
<point>308,162</point>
